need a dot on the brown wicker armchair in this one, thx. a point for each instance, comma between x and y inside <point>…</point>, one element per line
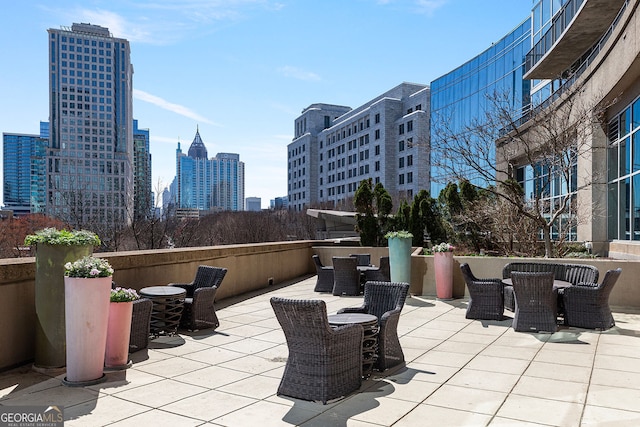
<point>587,305</point>
<point>485,296</point>
<point>140,324</point>
<point>199,311</point>
<point>536,302</point>
<point>385,301</point>
<point>324,363</point>
<point>363,259</point>
<point>324,283</point>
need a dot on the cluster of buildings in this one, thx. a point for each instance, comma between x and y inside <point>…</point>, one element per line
<point>562,44</point>
<point>91,162</point>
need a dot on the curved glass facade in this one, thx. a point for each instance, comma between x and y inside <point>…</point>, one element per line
<point>462,95</point>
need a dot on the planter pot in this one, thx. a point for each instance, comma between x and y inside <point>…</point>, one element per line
<point>118,332</point>
<point>50,302</point>
<point>443,266</point>
<point>86,320</point>
<point>400,259</point>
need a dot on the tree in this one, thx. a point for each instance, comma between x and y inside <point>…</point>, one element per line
<point>373,206</point>
<point>489,151</point>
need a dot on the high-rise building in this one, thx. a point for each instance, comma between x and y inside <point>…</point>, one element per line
<point>208,184</point>
<point>461,98</point>
<point>143,194</point>
<point>24,172</point>
<point>335,148</point>
<point>253,204</point>
<point>90,162</point>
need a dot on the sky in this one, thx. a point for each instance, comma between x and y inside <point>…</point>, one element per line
<point>241,71</point>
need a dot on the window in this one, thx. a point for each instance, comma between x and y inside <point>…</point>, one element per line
<point>401,129</point>
<point>410,160</point>
<point>409,111</point>
<point>410,126</point>
<point>409,142</point>
<point>376,166</point>
<point>401,179</point>
<point>377,118</point>
<point>401,145</point>
<point>377,150</point>
<point>401,162</point>
<point>418,107</point>
<point>409,177</point>
<point>377,134</point>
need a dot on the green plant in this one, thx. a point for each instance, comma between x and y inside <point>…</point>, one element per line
<point>123,295</point>
<point>402,234</point>
<point>53,236</point>
<point>88,267</point>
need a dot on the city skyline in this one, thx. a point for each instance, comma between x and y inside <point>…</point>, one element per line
<point>241,73</point>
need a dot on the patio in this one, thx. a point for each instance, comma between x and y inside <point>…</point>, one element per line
<point>458,372</point>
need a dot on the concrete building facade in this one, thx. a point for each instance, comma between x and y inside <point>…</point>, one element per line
<point>335,148</point>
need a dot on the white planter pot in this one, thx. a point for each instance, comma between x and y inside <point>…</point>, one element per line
<point>86,320</point>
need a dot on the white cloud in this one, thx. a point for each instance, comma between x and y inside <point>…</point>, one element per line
<point>428,7</point>
<point>297,73</point>
<point>169,106</point>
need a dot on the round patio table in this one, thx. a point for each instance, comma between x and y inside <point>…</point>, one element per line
<point>370,341</point>
<point>168,302</point>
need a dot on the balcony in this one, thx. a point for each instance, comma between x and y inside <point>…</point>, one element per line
<point>575,29</point>
<point>458,371</point>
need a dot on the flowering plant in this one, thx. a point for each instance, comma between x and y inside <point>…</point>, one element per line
<point>88,267</point>
<point>443,247</point>
<point>123,295</point>
<point>53,236</point>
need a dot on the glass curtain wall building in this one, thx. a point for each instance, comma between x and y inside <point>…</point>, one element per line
<point>463,95</point>
<point>143,194</point>
<point>24,172</point>
<point>90,153</point>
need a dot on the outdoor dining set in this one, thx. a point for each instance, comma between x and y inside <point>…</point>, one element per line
<point>543,295</point>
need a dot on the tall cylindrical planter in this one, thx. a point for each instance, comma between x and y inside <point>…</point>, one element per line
<point>118,333</point>
<point>400,259</point>
<point>86,320</point>
<point>50,350</point>
<point>443,265</point>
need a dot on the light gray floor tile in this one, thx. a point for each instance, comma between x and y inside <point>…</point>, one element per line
<point>467,399</point>
<point>425,414</point>
<point>542,411</point>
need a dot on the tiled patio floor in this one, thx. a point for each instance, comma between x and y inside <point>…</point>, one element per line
<point>459,373</point>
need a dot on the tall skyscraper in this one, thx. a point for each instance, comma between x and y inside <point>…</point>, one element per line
<point>90,163</point>
<point>208,184</point>
<point>143,193</point>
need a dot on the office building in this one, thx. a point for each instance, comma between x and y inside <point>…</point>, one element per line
<point>208,184</point>
<point>336,147</point>
<point>89,171</point>
<point>24,172</point>
<point>143,198</point>
<point>253,204</point>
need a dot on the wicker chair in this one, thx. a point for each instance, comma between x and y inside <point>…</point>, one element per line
<point>325,276</point>
<point>536,302</point>
<point>385,301</point>
<point>140,323</point>
<point>587,305</point>
<point>324,363</point>
<point>380,274</point>
<point>199,311</point>
<point>346,277</point>
<point>363,259</point>
<point>485,296</point>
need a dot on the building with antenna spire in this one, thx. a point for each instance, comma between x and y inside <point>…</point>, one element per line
<point>207,184</point>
